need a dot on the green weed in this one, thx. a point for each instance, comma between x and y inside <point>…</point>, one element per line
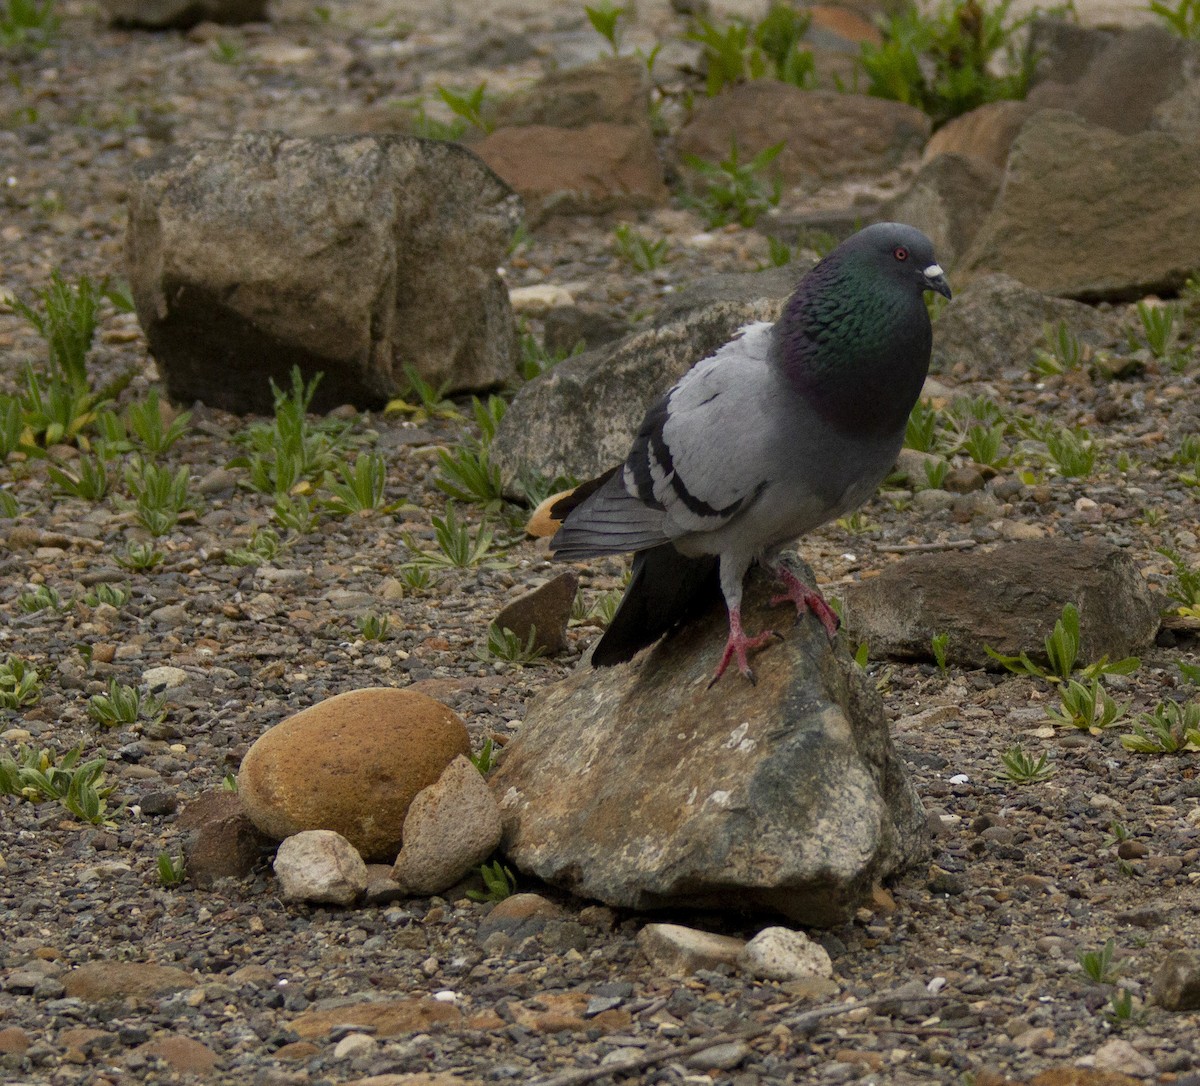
<point>503,644</point>
<point>1098,965</point>
<point>123,704</point>
<point>1073,452</point>
<point>921,431</point>
<point>939,643</point>
<point>1062,652</point>
<point>113,595</point>
<point>88,480</point>
<point>499,883</point>
<point>1022,768</point>
<point>1168,729</point>
<point>373,627</point>
<point>739,50</point>
<point>606,18</point>
<point>1062,352</point>
<point>637,250</point>
<point>1089,708</point>
<point>20,683</point>
<point>468,475</point>
<point>27,24</point>
<point>422,401</point>
<point>140,557</point>
<point>733,190</point>
<point>361,488</point>
<point>535,360</point>
<point>485,758</point>
<point>170,870</point>
<point>37,775</point>
<point>145,422</point>
<point>264,546</point>
<point>39,598</point>
<point>160,496</point>
<point>457,547</point>
<point>470,105</point>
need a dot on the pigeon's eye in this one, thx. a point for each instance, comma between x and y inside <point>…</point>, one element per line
<point>900,253</point>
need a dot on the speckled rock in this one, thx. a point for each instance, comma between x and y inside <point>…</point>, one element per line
<point>96,981</point>
<point>320,866</point>
<point>678,950</point>
<point>452,827</point>
<point>784,954</point>
<point>545,612</point>
<point>352,764</point>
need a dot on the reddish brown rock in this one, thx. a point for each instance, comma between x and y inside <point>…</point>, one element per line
<point>351,764</point>
<point>387,1018</point>
<point>181,1054</point>
<point>984,134</point>
<point>826,135</point>
<point>96,981</point>
<point>599,168</point>
<point>612,91</point>
<point>13,1041</point>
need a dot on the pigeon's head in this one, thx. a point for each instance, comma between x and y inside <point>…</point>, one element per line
<point>897,252</point>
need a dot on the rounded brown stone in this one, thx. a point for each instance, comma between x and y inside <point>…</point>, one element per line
<point>351,764</point>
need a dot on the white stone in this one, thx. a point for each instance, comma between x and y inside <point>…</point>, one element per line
<point>320,866</point>
<point>783,954</point>
<point>1119,1055</point>
<point>164,678</point>
<point>678,951</point>
<point>538,300</point>
<point>354,1044</point>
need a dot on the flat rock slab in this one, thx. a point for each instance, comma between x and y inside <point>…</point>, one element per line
<point>639,786</point>
<point>1008,598</point>
<point>346,256</point>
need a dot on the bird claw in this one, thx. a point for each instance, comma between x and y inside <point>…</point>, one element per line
<point>737,648</point>
<point>806,599</point>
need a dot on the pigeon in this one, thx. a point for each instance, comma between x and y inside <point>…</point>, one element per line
<point>785,427</point>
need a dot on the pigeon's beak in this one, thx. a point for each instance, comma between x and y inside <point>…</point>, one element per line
<point>935,279</point>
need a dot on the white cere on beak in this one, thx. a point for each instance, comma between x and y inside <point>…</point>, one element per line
<point>933,271</point>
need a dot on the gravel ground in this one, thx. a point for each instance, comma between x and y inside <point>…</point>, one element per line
<point>1025,875</point>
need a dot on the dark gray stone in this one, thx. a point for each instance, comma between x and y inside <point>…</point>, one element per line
<point>641,787</point>
<point>182,14</point>
<point>545,611</point>
<point>1008,598</point>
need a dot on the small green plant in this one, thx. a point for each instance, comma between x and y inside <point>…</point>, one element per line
<point>1122,1010</point>
<point>229,783</point>
<point>88,480</point>
<point>160,496</point>
<point>1098,965</point>
<point>856,523</point>
<point>739,50</point>
<point>862,655</point>
<point>361,488</point>
<point>422,401</point>
<point>1062,352</point>
<point>921,430</point>
<point>1168,729</point>
<point>984,444</point>
<point>295,513</point>
<point>431,128</point>
<point>124,705</point>
<point>944,62</point>
<point>470,105</point>
<point>605,607</point>
<point>264,545</point>
<point>36,776</point>
<point>606,18</point>
<point>779,253</point>
<point>503,644</point>
<point>733,190</point>
<point>1157,329</point>
<point>20,684</point>
<point>12,425</point>
<point>535,360</point>
<point>140,557</point>
<point>1073,452</point>
<point>39,598</point>
<point>27,24</point>
<point>1062,652</point>
<point>637,250</point>
<point>499,882</point>
<point>1184,585</point>
<point>485,758</point>
<point>10,508</point>
<point>1022,768</point>
<point>468,475</point>
<point>227,51</point>
<point>1190,672</point>
<point>939,643</point>
<point>374,627</point>
<point>416,577</point>
<point>170,870</point>
<point>936,472</point>
<point>145,422</point>
<point>457,547</point>
<point>1183,19</point>
<point>66,319</point>
<point>112,595</point>
<point>1089,708</point>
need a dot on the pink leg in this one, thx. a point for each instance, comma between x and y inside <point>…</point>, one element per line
<point>738,645</point>
<point>806,599</point>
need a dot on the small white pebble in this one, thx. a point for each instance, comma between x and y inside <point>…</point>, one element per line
<point>445,996</point>
<point>960,778</point>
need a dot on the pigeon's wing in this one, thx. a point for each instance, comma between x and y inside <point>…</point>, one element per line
<point>702,455</point>
<point>695,463</point>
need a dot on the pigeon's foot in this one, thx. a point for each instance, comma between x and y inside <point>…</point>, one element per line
<point>806,599</point>
<point>738,645</point>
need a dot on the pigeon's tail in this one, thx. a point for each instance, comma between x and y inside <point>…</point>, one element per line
<point>602,517</point>
<point>666,589</point>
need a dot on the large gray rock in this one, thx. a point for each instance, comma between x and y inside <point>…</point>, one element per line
<point>1007,598</point>
<point>948,199</point>
<point>349,256</point>
<point>640,786</point>
<point>995,324</point>
<point>826,135</point>
<point>181,14</point>
<point>1087,213</point>
<point>580,418</point>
